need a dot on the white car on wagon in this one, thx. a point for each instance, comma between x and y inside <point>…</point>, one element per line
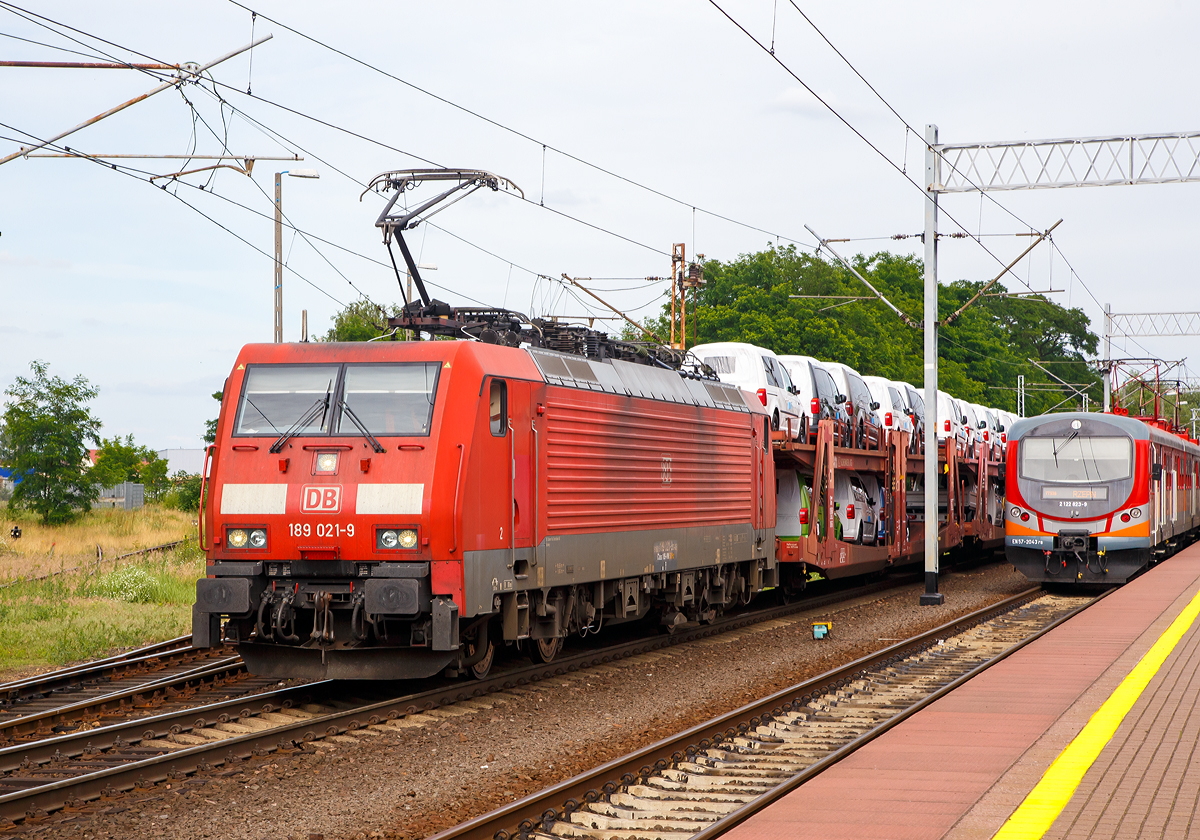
<point>757,370</point>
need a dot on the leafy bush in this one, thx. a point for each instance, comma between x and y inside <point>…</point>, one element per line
<point>186,495</point>
<point>129,583</point>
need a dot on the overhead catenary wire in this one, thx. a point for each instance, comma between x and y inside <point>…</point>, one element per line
<point>857,133</point>
<point>11,7</point>
<point>516,132</point>
<point>365,138</point>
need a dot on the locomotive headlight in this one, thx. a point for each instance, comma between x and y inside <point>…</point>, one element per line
<point>258,538</point>
<point>388,539</point>
<point>1136,513</point>
<point>1016,511</point>
<point>236,538</point>
<point>408,538</point>
<point>327,462</point>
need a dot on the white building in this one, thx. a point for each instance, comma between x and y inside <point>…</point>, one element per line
<point>191,461</point>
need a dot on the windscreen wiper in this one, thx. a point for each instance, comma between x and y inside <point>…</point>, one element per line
<point>321,405</point>
<point>349,412</point>
<point>1058,448</point>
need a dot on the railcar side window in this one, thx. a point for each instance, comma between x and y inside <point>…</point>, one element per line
<point>498,407</point>
<point>1076,459</point>
<point>392,399</point>
<point>276,397</point>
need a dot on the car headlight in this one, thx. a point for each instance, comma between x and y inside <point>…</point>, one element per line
<point>408,538</point>
<point>388,539</point>
<point>237,538</point>
<point>258,538</point>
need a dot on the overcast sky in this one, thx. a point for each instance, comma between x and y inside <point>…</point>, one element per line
<point>107,276</point>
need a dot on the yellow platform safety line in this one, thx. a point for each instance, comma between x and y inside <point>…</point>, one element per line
<point>1046,801</point>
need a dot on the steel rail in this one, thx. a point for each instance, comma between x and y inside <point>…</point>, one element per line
<point>96,669</point>
<point>39,721</point>
<point>524,814</point>
<point>16,806</point>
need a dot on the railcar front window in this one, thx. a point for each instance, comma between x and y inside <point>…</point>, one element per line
<point>394,400</point>
<point>276,397</point>
<point>1076,458</point>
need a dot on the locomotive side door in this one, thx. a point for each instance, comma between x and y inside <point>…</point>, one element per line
<point>520,420</point>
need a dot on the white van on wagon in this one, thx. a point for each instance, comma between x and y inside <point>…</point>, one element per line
<point>757,370</point>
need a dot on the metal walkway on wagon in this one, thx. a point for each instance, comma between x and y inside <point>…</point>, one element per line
<point>1088,732</point>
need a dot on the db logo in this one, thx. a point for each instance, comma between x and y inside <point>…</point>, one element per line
<point>321,498</point>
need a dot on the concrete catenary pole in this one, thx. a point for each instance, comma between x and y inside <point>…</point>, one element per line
<point>931,597</point>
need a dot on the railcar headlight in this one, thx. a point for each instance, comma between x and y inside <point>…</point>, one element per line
<point>327,462</point>
<point>388,539</point>
<point>1136,513</point>
<point>408,538</point>
<point>1016,511</point>
<point>258,538</point>
<point>237,538</point>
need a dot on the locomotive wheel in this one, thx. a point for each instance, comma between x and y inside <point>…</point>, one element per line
<point>483,667</point>
<point>544,650</point>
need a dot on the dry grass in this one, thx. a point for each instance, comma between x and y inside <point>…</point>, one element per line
<point>43,549</point>
<point>99,608</point>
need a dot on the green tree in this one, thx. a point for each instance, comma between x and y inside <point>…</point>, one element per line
<point>210,426</point>
<point>119,460</point>
<point>186,495</point>
<point>980,354</point>
<point>47,428</point>
<point>361,321</point>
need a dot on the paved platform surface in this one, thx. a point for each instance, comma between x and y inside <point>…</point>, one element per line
<point>961,767</point>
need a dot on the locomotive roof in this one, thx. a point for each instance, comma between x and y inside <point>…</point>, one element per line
<point>1131,426</point>
<point>611,376</point>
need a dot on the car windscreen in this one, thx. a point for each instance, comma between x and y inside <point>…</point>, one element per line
<point>390,399</point>
<point>1074,458</point>
<point>276,397</point>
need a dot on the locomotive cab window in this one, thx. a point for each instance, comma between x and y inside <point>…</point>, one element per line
<point>392,399</point>
<point>1076,459</point>
<point>277,397</point>
<point>498,407</point>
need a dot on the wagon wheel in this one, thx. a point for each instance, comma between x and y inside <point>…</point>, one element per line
<point>544,650</point>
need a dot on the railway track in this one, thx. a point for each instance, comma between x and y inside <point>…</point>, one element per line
<point>73,768</point>
<point>151,680</point>
<point>704,781</point>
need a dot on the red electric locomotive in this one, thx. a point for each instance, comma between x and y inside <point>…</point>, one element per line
<point>398,509</point>
<point>1097,497</point>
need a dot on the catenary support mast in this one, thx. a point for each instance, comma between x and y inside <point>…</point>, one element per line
<point>931,596</point>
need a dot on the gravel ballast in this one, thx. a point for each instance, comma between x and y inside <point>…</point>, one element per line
<point>413,777</point>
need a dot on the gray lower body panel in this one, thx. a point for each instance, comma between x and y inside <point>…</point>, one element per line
<point>563,560</point>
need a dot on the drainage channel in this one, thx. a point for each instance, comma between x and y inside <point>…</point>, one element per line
<point>701,782</point>
<point>39,778</point>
